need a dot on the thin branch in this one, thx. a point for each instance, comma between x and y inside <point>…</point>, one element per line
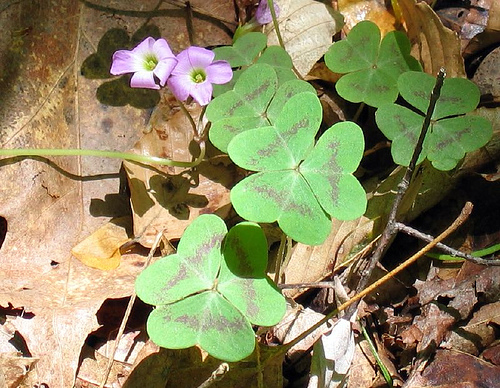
<point>391,230</point>
<point>445,248</point>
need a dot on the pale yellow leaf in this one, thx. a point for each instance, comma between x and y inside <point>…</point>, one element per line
<point>307,28</point>
<point>101,249</point>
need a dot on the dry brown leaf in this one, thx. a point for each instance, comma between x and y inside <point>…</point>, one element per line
<point>295,322</point>
<point>478,333</point>
<point>307,28</point>
<point>45,102</point>
<point>169,198</point>
<point>450,369</point>
<point>101,249</point>
<point>432,44</point>
<point>487,75</point>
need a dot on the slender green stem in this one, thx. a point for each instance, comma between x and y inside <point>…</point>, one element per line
<point>380,363</point>
<point>270,4</point>
<point>103,154</point>
<point>190,118</point>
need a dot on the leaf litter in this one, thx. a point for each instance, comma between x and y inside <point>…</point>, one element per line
<point>50,296</point>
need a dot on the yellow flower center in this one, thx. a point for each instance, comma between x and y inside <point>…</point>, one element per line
<point>198,76</point>
<point>150,62</point>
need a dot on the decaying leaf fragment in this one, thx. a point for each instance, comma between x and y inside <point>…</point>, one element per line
<point>432,43</point>
<point>101,249</point>
<point>307,28</point>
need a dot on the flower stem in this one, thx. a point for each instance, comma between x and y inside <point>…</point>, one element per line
<point>270,4</point>
<point>103,154</point>
<point>188,115</point>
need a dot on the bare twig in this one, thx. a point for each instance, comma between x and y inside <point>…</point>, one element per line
<point>443,247</point>
<point>391,230</point>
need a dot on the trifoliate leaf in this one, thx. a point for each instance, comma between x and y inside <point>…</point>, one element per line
<point>373,67</point>
<point>297,185</point>
<point>212,290</point>
<point>451,133</point>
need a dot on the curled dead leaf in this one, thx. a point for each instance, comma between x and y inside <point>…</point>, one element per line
<point>169,198</point>
<point>432,44</point>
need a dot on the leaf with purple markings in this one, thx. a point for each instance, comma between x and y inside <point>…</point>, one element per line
<point>452,133</point>
<point>299,184</point>
<point>212,290</point>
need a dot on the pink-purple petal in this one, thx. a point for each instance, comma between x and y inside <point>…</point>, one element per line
<point>197,57</point>
<point>143,79</point>
<point>180,86</point>
<point>164,68</point>
<point>162,50</point>
<point>202,93</point>
<point>219,72</point>
<point>263,12</point>
<point>124,61</point>
<point>145,47</point>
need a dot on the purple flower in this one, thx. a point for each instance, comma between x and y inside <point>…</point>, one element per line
<point>195,73</point>
<point>263,13</point>
<point>149,59</point>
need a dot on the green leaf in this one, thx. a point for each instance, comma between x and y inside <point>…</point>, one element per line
<point>254,102</point>
<point>452,138</point>
<point>192,269</point>
<point>448,138</point>
<point>328,170</point>
<point>274,56</point>
<point>458,95</point>
<point>283,145</point>
<point>209,292</point>
<point>243,51</point>
<point>373,67</point>
<point>300,195</point>
<point>242,277</point>
<point>279,59</point>
<point>282,196</point>
<point>403,127</point>
<point>206,319</point>
<point>243,107</point>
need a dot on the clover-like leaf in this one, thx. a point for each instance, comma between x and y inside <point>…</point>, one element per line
<point>297,185</point>
<point>373,67</point>
<point>246,106</point>
<point>277,57</point>
<point>212,290</point>
<point>243,51</point>
<point>451,133</point>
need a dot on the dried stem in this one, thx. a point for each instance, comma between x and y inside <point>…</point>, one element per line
<point>391,229</point>
<point>445,248</point>
<point>127,314</point>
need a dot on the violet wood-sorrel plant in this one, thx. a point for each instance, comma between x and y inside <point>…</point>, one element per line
<point>215,288</point>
